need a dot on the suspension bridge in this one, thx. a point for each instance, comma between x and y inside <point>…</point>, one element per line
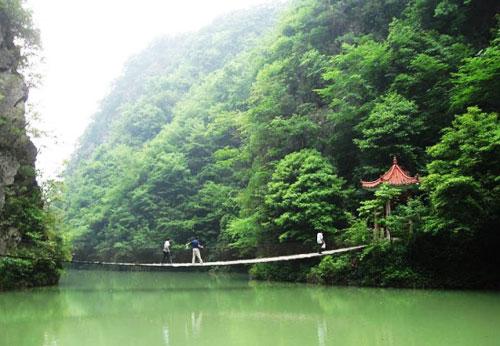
<point>227,263</point>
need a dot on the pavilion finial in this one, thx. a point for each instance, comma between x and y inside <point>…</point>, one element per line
<point>394,160</point>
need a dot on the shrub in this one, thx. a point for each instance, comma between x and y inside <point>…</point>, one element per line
<point>332,270</point>
<point>281,271</point>
<point>20,273</point>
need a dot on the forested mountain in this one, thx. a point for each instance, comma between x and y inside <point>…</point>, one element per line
<point>146,111</point>
<point>30,252</point>
<point>257,131</point>
<point>143,98</point>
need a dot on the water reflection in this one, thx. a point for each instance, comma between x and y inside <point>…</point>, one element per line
<point>196,319</point>
<point>322,333</point>
<point>166,335</point>
<point>49,340</point>
<point>120,308</point>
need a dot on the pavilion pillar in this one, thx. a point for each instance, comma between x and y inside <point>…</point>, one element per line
<point>387,213</point>
<point>376,226</point>
<point>410,230</point>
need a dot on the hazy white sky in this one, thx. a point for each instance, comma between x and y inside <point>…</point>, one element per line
<point>85,44</point>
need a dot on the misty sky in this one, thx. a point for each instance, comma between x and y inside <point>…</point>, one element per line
<point>85,44</point>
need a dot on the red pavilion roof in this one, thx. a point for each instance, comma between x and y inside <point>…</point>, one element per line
<point>394,176</point>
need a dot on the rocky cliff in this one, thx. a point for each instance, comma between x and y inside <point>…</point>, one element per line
<point>17,152</point>
<point>27,233</point>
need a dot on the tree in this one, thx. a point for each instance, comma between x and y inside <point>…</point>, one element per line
<point>463,174</point>
<point>304,196</point>
<point>391,129</point>
<point>477,82</point>
<point>461,239</point>
<point>353,80</point>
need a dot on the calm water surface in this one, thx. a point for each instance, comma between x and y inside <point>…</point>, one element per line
<point>146,308</point>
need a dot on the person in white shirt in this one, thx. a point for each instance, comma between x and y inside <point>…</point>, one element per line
<point>166,251</point>
<point>321,241</point>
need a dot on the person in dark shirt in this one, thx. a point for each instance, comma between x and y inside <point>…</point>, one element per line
<point>196,246</point>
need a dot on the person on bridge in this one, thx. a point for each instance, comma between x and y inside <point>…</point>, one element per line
<point>321,241</point>
<point>166,251</point>
<point>196,246</point>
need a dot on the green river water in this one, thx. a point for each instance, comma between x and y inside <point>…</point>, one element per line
<point>162,308</point>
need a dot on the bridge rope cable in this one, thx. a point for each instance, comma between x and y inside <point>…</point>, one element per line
<point>209,264</point>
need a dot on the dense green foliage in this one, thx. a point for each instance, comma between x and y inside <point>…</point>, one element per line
<point>38,253</point>
<point>251,133</point>
<point>304,195</point>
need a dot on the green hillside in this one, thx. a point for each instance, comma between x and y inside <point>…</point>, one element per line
<point>254,134</point>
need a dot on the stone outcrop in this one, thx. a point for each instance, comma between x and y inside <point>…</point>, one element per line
<point>17,152</point>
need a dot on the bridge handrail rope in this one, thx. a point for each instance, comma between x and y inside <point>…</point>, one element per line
<point>209,264</point>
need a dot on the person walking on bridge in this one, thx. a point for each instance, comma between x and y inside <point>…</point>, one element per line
<point>166,251</point>
<point>320,240</point>
<point>196,246</point>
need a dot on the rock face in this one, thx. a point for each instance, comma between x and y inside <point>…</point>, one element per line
<point>17,152</point>
<point>24,223</point>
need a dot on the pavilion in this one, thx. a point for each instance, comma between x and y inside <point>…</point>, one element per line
<point>397,177</point>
